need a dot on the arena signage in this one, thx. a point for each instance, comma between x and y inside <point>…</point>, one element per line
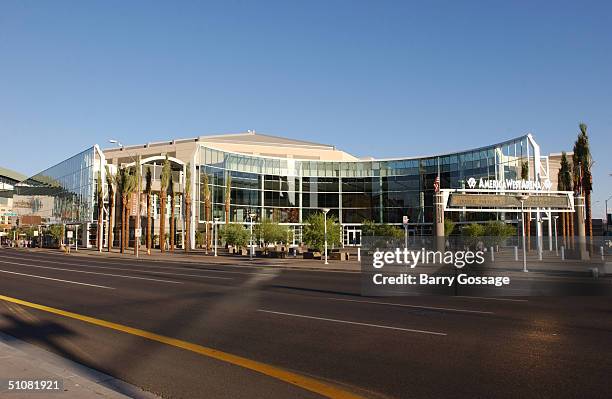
<point>509,184</point>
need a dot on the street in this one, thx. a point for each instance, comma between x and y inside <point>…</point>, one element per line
<point>220,330</point>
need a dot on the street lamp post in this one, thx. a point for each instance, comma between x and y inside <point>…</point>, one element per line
<point>251,215</point>
<point>556,242</point>
<point>523,198</point>
<point>216,220</point>
<point>607,225</point>
<point>325,210</point>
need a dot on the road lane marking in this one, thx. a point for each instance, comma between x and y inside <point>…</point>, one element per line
<point>352,322</point>
<point>116,268</point>
<point>135,264</point>
<point>308,383</point>
<point>57,279</point>
<point>411,306</point>
<point>86,272</point>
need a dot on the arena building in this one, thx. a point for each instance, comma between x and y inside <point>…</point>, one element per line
<point>282,179</point>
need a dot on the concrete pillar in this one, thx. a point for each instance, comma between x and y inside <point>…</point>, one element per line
<point>580,226</point>
<point>85,235</point>
<point>550,230</point>
<point>439,225</point>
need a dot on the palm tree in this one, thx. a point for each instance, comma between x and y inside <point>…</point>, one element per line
<point>137,185</point>
<point>110,182</point>
<point>148,186</point>
<point>228,196</point>
<point>525,176</point>
<point>206,208</point>
<point>564,183</point>
<point>187,195</point>
<point>583,180</point>
<point>172,222</point>
<point>100,196</point>
<point>163,194</point>
<point>128,186</point>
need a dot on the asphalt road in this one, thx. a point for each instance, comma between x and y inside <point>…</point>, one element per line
<point>311,323</point>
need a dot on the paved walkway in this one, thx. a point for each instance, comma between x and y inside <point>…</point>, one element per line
<point>24,361</point>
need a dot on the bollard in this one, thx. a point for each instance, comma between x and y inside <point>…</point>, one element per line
<point>492,255</point>
<point>358,254</point>
<point>562,252</point>
<point>515,253</point>
<point>602,253</point>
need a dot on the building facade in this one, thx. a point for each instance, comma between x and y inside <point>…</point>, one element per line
<point>277,178</point>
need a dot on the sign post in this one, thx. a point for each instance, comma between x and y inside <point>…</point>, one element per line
<point>405,220</point>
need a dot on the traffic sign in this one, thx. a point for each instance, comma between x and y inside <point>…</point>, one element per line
<point>405,220</point>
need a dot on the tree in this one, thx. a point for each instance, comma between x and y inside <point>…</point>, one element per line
<point>496,232</point>
<point>206,195</point>
<point>473,233</point>
<point>110,182</point>
<point>270,232</point>
<point>449,227</point>
<point>137,185</point>
<point>187,196</point>
<point>228,196</point>
<point>127,187</point>
<point>235,235</point>
<point>163,194</point>
<point>172,221</point>
<point>564,183</point>
<point>369,228</point>
<point>148,191</point>
<point>314,231</point>
<point>56,232</point>
<point>100,198</point>
<point>583,180</point>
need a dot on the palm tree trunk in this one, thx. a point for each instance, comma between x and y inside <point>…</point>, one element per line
<point>111,222</point>
<point>589,220</point>
<point>149,223</point>
<point>162,223</point>
<point>172,223</point>
<point>122,238</point>
<point>187,223</point>
<point>100,229</point>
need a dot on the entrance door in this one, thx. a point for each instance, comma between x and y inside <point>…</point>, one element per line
<point>352,237</point>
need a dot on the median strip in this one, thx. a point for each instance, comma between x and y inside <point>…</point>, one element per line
<point>306,383</point>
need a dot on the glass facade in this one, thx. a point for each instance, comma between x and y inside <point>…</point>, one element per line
<point>64,193</point>
<point>288,190</point>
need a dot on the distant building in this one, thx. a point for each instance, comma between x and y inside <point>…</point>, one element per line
<point>8,180</point>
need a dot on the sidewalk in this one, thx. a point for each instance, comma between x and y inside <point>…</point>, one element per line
<point>20,360</point>
<point>199,257</point>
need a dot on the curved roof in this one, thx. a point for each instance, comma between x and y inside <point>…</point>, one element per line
<point>11,174</point>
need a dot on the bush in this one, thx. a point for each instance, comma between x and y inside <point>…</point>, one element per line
<point>449,227</point>
<point>314,231</point>
<point>497,232</point>
<point>271,232</point>
<point>235,235</point>
<point>369,228</point>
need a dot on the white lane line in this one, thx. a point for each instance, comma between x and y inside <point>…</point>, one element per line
<point>57,279</point>
<point>492,299</point>
<point>121,268</point>
<point>83,271</point>
<point>135,264</point>
<point>411,306</point>
<point>353,322</point>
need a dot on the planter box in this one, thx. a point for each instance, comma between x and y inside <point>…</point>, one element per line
<point>312,255</point>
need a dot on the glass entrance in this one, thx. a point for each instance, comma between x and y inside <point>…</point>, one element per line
<point>352,236</point>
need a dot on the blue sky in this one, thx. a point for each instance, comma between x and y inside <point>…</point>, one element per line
<point>379,78</point>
